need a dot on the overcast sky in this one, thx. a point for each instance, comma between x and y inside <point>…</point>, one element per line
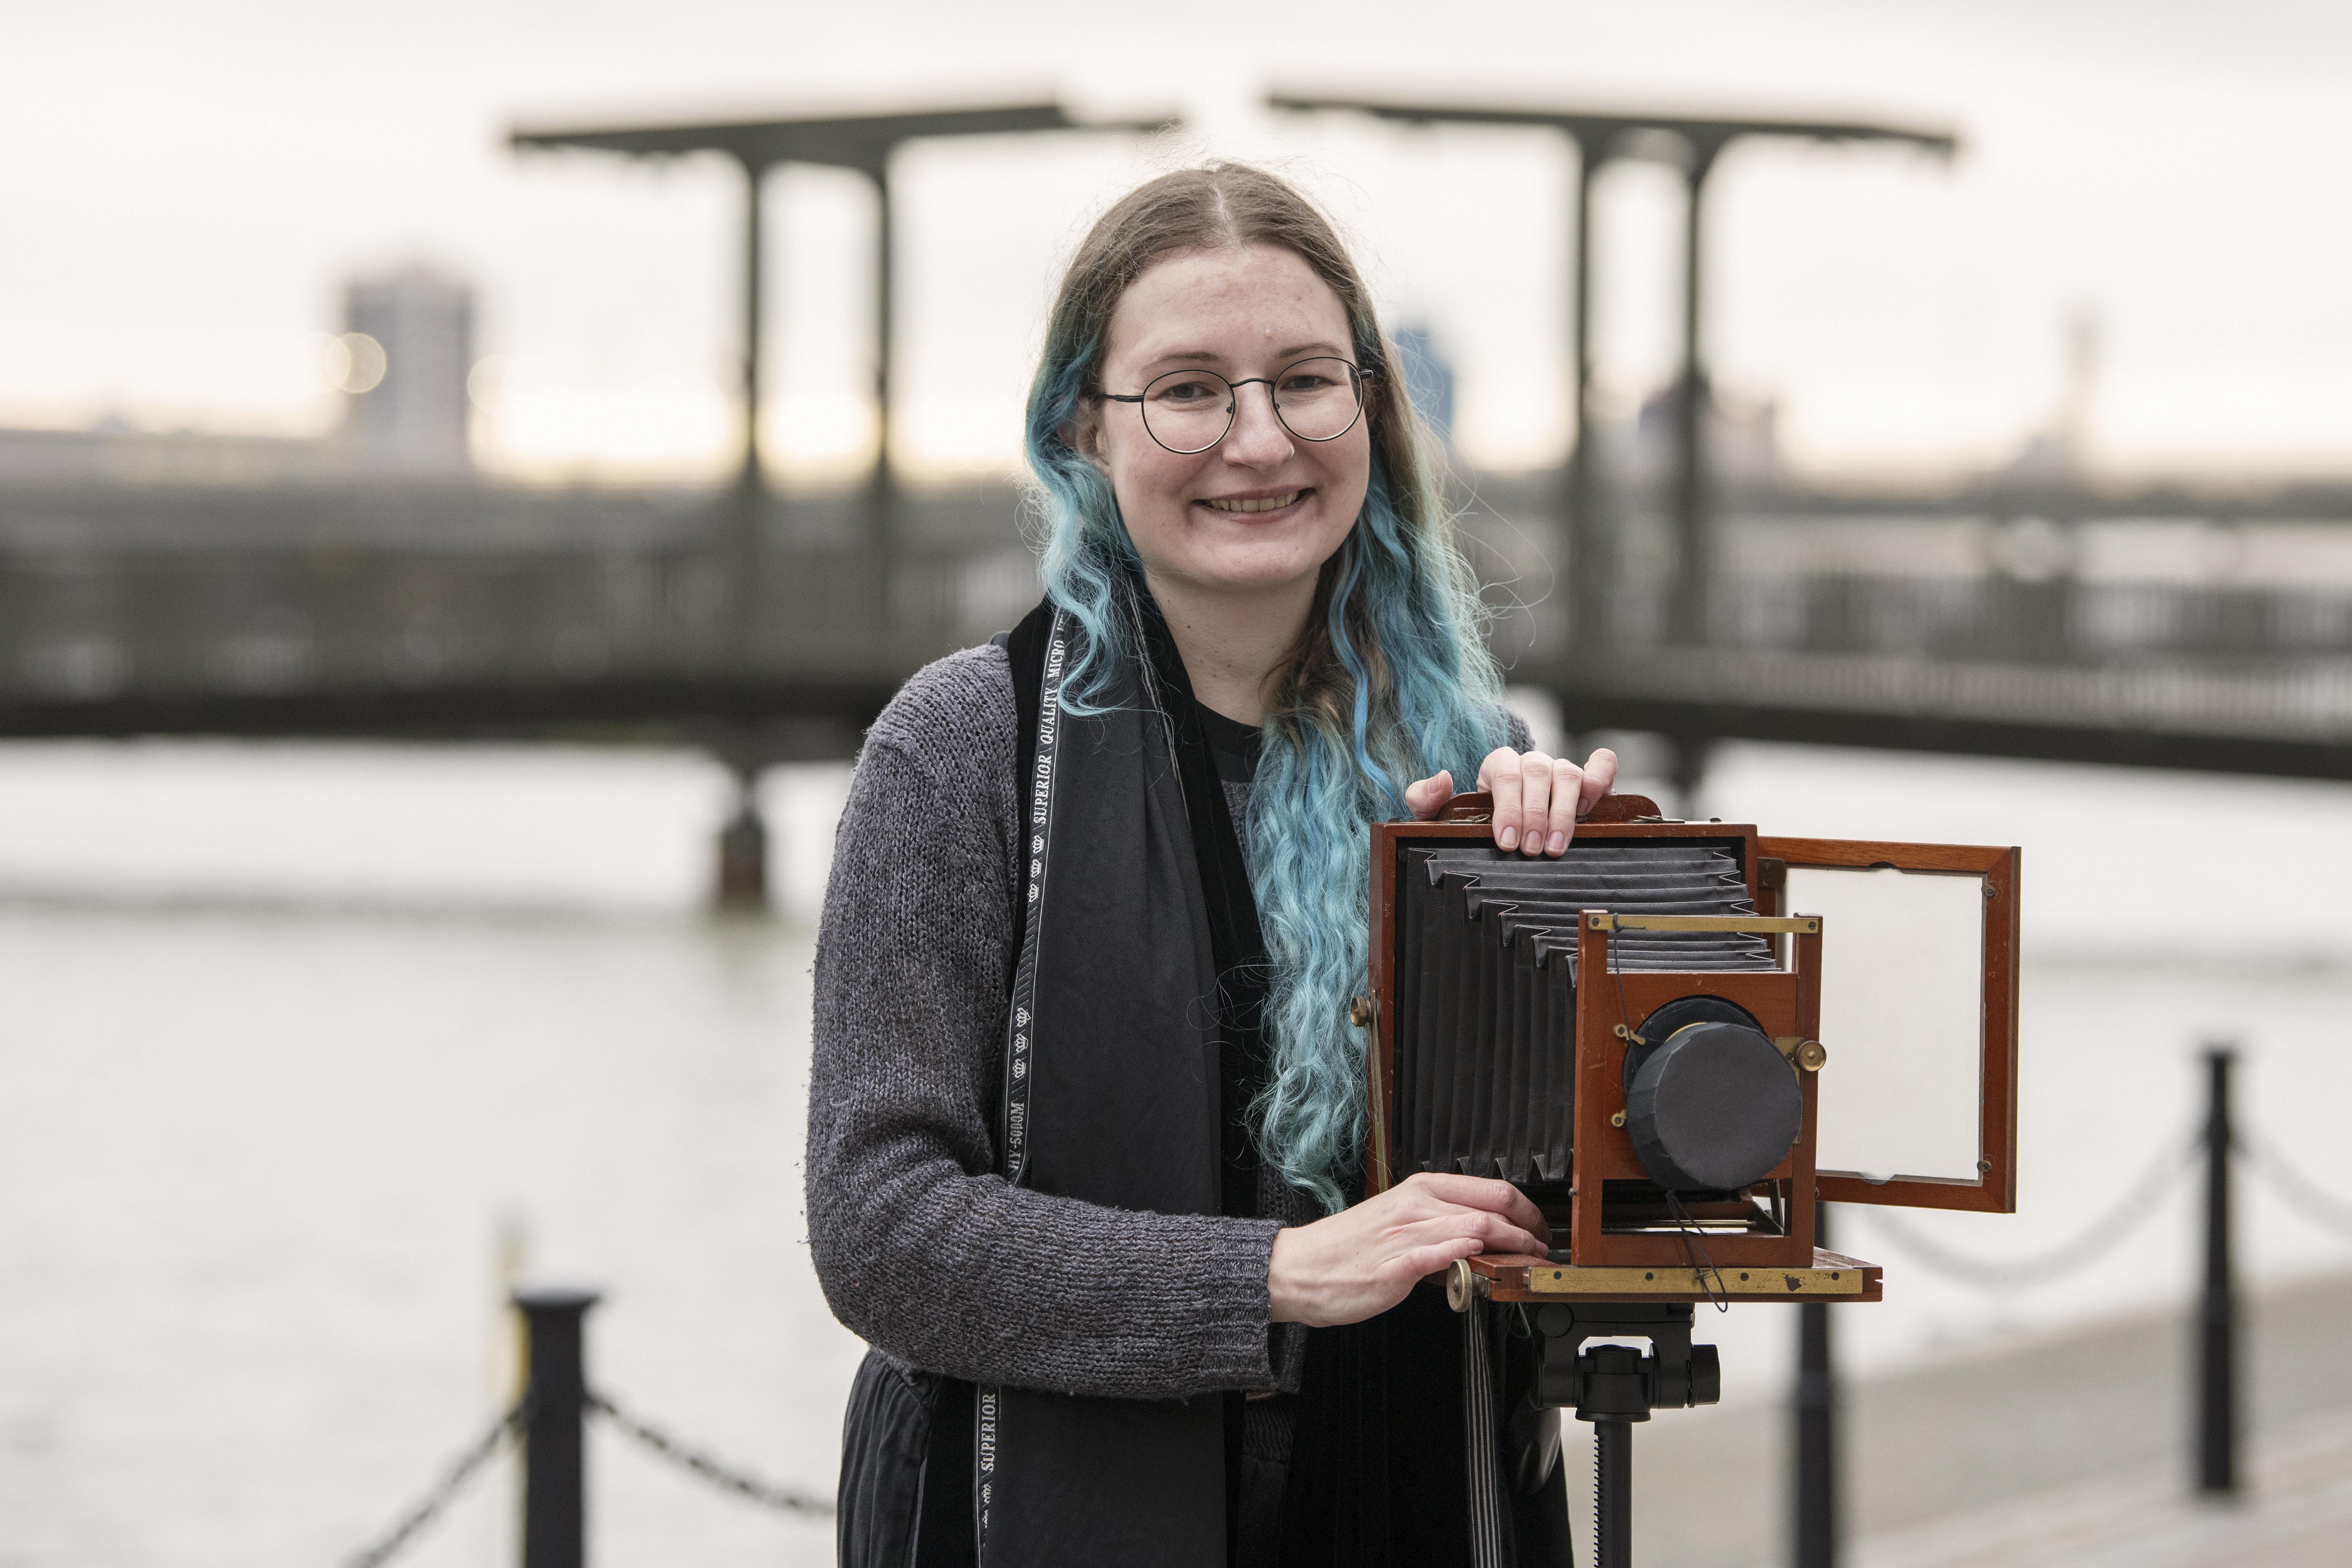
<point>186,184</point>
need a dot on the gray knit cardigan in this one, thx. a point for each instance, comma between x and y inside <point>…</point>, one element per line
<point>922,1249</point>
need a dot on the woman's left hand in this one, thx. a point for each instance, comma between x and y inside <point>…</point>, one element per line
<point>1538,798</point>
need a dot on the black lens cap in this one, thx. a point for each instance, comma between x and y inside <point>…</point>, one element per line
<point>1715,1105</point>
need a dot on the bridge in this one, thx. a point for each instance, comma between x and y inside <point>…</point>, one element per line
<point>2153,629</point>
<point>1661,592</point>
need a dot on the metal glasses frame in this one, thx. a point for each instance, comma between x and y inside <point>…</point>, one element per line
<point>1357,374</point>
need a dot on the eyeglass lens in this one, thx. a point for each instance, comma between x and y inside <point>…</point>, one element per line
<point>1191,410</point>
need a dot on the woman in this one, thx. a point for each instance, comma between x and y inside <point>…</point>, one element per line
<point>1085,1125</point>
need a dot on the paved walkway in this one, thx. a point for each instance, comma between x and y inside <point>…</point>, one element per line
<point>2070,1450</point>
<point>2298,1513</point>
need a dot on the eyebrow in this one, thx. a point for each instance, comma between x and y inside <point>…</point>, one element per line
<point>1176,358</point>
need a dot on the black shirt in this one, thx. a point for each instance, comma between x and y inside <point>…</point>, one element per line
<point>1233,744</point>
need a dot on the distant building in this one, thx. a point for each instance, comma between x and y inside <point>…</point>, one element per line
<point>401,363</point>
<point>406,412</point>
<point>2060,452</point>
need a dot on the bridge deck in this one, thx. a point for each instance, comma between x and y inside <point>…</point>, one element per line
<point>2157,629</point>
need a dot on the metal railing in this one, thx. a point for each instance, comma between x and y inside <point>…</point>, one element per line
<point>549,1426</point>
<point>548,1423</point>
<point>2216,1146</point>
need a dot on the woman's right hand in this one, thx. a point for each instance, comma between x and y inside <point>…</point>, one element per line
<point>1359,1262</point>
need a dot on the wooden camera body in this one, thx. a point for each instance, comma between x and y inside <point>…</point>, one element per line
<point>1601,1090</point>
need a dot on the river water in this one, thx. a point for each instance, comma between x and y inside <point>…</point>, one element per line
<point>310,1050</point>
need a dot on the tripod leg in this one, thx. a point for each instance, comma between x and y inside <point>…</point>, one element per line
<point>1613,1494</point>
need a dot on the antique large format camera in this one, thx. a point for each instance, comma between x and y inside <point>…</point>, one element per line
<point>1676,1038</point>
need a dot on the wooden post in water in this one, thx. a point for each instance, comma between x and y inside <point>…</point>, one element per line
<point>742,879</point>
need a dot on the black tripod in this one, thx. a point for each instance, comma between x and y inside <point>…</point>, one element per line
<point>1613,1386</point>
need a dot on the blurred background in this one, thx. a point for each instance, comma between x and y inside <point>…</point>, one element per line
<point>432,649</point>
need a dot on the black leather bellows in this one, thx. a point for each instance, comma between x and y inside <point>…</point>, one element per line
<point>1486,987</point>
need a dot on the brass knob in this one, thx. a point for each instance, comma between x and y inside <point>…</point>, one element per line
<point>1810,1055</point>
<point>1617,1120</point>
<point>1460,1288</point>
<point>1360,1012</point>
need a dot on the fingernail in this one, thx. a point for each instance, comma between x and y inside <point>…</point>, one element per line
<point>1559,843</point>
<point>1509,838</point>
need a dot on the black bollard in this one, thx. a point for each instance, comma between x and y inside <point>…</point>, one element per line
<point>2217,1340</point>
<point>555,1471</point>
<point>1815,1511</point>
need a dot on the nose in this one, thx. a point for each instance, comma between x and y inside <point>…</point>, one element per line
<point>1257,439</point>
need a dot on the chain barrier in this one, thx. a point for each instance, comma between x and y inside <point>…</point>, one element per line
<point>2076,1254</point>
<point>452,1480</point>
<point>2302,1194</point>
<point>2292,1187</point>
<point>717,1471</point>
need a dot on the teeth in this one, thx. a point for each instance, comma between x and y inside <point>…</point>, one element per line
<point>1269,503</point>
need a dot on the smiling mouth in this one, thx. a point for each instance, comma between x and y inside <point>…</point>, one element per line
<point>1255,503</point>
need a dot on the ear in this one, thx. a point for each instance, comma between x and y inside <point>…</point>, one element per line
<point>1084,434</point>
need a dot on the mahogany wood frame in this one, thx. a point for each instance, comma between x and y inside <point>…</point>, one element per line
<point>1995,1189</point>
<point>1787,1001</point>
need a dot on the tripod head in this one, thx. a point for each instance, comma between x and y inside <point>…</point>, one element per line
<point>1618,1382</point>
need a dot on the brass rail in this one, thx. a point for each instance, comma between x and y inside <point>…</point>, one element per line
<point>1752,925</point>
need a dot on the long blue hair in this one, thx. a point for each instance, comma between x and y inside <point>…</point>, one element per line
<point>1391,680</point>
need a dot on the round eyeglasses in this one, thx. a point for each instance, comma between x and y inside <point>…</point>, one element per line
<point>1190,411</point>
